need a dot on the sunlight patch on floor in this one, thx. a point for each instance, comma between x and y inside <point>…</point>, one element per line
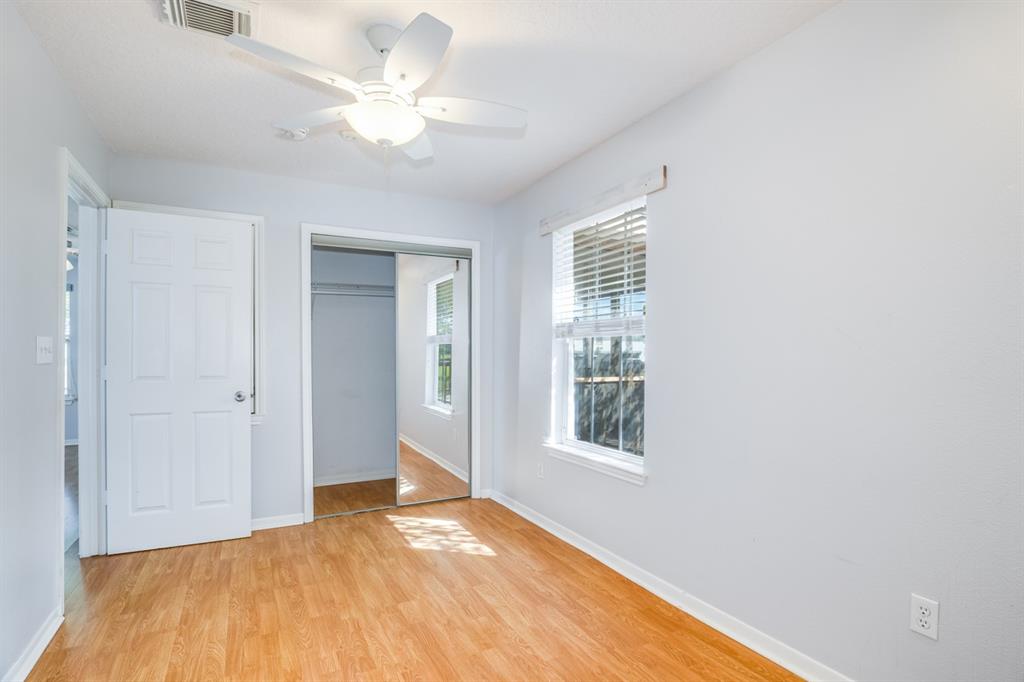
<point>405,486</point>
<point>442,535</point>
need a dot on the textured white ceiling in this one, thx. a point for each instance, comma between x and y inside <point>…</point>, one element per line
<point>584,70</point>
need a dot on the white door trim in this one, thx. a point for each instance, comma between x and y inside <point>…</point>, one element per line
<point>259,225</point>
<point>305,283</point>
<point>73,180</point>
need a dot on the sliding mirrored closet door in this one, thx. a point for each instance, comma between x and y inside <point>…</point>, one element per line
<point>353,380</point>
<point>433,304</point>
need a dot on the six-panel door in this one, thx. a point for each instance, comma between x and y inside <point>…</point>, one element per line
<point>179,356</point>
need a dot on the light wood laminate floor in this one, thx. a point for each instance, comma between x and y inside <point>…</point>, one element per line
<point>456,590</point>
<point>421,479</point>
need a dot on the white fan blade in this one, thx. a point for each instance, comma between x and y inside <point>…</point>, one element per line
<point>417,52</point>
<point>475,112</point>
<point>313,119</point>
<point>419,149</point>
<point>294,63</point>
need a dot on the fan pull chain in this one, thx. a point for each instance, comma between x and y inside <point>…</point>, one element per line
<point>387,173</point>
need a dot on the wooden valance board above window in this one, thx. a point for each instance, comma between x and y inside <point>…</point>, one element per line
<point>647,183</point>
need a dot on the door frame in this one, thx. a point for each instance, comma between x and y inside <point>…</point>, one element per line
<point>74,181</point>
<point>306,272</point>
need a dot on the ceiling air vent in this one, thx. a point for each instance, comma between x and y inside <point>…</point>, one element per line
<point>218,17</point>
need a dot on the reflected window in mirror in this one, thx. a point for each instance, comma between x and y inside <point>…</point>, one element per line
<point>440,319</point>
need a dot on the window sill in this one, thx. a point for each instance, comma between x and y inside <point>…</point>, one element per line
<point>443,413</point>
<point>604,464</point>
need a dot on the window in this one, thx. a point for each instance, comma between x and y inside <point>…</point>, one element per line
<point>440,317</point>
<point>599,306</point>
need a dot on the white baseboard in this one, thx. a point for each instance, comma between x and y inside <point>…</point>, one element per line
<point>266,522</point>
<point>750,637</point>
<point>359,477</point>
<point>435,458</point>
<point>20,669</point>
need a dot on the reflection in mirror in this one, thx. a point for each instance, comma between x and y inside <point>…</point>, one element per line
<point>433,377</point>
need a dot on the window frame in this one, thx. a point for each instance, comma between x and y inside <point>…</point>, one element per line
<point>561,443</point>
<point>434,342</point>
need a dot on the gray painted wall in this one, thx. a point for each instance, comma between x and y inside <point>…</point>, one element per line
<point>835,342</point>
<point>37,116</point>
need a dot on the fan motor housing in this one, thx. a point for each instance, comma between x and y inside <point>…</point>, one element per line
<point>382,38</point>
<point>378,90</point>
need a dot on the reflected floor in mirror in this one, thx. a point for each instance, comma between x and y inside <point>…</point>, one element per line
<point>422,479</point>
<point>353,497</point>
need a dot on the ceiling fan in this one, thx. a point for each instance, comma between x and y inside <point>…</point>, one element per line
<point>387,112</point>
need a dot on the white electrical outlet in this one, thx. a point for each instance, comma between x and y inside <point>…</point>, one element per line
<point>924,616</point>
<point>540,469</point>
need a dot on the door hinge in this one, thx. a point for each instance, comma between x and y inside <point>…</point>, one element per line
<point>104,499</point>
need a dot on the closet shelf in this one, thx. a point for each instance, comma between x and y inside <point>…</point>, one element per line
<point>332,289</point>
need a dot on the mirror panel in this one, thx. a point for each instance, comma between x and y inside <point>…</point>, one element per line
<point>432,300</point>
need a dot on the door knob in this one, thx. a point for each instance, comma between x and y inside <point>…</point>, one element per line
<point>240,396</point>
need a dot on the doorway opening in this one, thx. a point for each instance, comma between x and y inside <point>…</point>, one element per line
<point>354,415</point>
<point>390,410</point>
<point>71,341</point>
<point>78,353</point>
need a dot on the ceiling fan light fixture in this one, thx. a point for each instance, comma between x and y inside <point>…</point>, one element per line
<point>384,122</point>
<point>387,111</point>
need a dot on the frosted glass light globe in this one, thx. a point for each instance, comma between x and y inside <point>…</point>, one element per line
<point>384,122</point>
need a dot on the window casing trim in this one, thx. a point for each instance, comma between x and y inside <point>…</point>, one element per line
<point>440,411</point>
<point>625,216</point>
<point>601,462</point>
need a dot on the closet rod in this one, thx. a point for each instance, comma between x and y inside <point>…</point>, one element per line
<point>354,290</point>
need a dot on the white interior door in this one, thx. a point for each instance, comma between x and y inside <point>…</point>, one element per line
<point>179,346</point>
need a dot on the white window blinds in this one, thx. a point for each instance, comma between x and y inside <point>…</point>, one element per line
<point>441,310</point>
<point>600,274</point>
<point>444,307</point>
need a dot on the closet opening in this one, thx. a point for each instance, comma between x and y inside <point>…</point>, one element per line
<point>387,373</point>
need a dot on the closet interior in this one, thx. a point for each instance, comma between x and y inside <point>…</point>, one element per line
<point>390,376</point>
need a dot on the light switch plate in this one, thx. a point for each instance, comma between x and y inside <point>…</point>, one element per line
<point>44,350</point>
